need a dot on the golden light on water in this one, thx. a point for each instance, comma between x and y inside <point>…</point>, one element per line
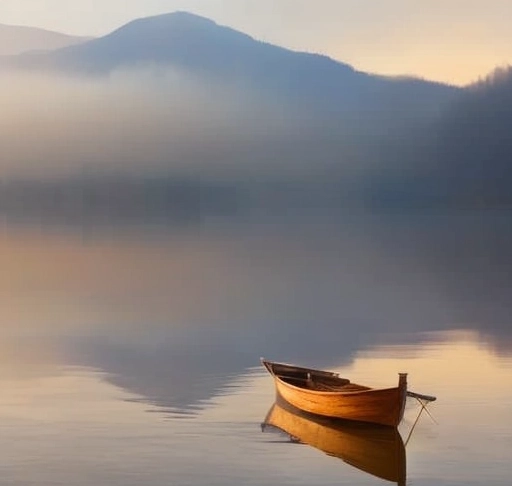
<point>454,357</point>
<point>64,404</point>
<point>49,278</point>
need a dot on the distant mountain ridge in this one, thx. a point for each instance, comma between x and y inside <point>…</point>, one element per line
<point>210,51</point>
<point>179,38</point>
<point>17,39</point>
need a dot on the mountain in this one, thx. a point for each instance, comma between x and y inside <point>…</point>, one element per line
<point>212,52</point>
<point>15,40</point>
<point>333,136</point>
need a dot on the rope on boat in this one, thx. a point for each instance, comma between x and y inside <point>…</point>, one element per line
<point>423,400</point>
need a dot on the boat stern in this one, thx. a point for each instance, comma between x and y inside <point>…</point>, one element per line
<point>402,387</point>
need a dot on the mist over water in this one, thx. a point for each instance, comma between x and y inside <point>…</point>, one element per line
<point>155,121</point>
<point>128,123</point>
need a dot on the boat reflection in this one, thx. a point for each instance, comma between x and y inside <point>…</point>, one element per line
<point>374,449</point>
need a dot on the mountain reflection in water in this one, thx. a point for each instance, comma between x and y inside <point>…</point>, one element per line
<point>174,314</point>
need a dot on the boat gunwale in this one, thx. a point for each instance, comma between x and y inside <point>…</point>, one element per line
<point>269,366</point>
<point>335,392</point>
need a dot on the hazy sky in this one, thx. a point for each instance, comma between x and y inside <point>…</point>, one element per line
<point>450,40</point>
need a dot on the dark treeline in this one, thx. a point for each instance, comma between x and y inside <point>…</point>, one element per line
<point>462,159</point>
<point>474,143</point>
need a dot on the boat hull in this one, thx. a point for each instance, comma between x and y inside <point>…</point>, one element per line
<point>375,406</point>
<point>378,406</point>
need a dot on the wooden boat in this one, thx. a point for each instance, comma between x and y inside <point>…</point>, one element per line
<point>325,393</point>
<point>374,449</point>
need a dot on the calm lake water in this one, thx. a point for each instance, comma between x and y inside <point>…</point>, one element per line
<point>130,356</point>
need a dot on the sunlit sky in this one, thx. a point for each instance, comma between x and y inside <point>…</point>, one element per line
<point>454,41</point>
